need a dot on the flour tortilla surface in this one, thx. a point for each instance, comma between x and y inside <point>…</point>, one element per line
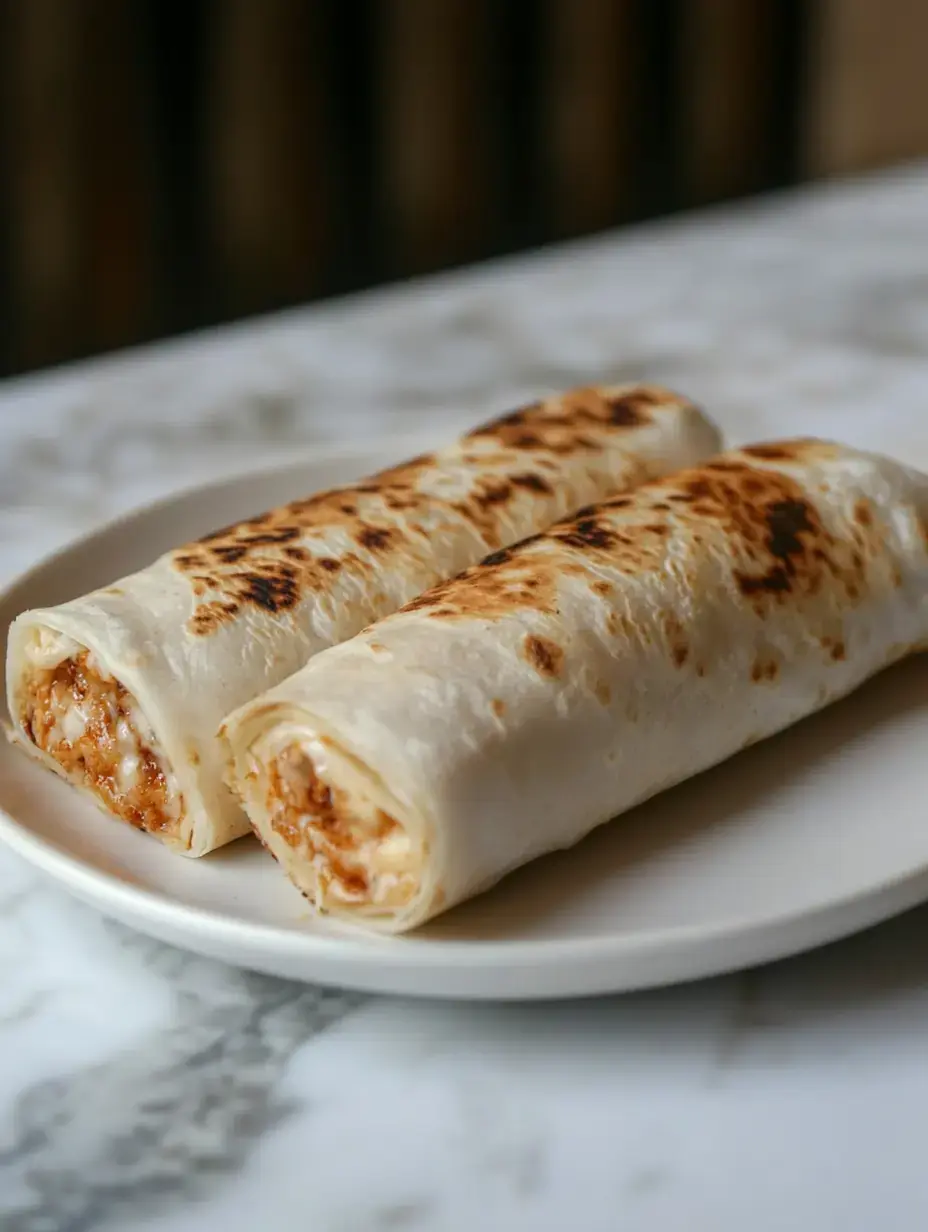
<point>509,711</point>
<point>154,662</point>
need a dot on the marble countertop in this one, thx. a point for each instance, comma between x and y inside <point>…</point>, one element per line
<point>144,1088</point>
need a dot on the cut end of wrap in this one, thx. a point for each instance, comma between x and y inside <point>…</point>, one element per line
<point>319,813</point>
<point>81,722</point>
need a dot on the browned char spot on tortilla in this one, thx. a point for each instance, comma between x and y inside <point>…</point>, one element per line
<point>588,532</point>
<point>863,514</point>
<point>676,638</point>
<point>788,521</point>
<point>800,449</point>
<point>493,492</point>
<point>257,563</point>
<point>835,647</point>
<point>776,541</point>
<point>545,656</point>
<point>498,558</point>
<point>630,410</point>
<point>505,581</point>
<point>576,420</point>
<point>765,667</point>
<point>533,482</point>
<point>268,562</point>
<point>529,574</point>
<point>774,528</point>
<point>599,534</point>
<point>374,538</point>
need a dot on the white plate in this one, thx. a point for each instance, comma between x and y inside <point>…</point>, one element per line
<point>808,837</point>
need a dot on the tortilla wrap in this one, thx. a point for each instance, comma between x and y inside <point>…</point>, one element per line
<point>509,711</point>
<point>122,691</point>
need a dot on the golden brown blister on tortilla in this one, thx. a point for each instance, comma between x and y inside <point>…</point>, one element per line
<point>765,669</point>
<point>771,532</point>
<point>545,655</point>
<point>553,425</point>
<point>271,561</point>
<point>676,638</point>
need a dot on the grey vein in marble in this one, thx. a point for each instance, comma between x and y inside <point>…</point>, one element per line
<point>162,1124</point>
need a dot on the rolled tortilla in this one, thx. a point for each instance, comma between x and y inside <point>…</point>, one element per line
<point>122,691</point>
<point>509,711</point>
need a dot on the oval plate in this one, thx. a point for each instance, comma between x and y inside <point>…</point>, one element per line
<point>798,841</point>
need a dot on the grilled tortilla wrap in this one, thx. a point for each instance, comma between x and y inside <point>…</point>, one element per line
<point>122,691</point>
<point>507,712</point>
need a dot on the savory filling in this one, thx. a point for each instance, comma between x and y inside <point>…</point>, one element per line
<point>91,725</point>
<point>353,855</point>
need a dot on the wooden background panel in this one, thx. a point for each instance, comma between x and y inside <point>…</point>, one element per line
<point>733,84</point>
<point>166,164</point>
<point>77,199</point>
<point>118,169</point>
<point>867,85</point>
<point>434,141</point>
<point>587,116</point>
<point>269,203</point>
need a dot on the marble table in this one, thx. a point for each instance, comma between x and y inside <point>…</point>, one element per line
<point>144,1088</point>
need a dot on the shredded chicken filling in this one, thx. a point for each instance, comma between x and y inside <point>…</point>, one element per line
<point>359,857</point>
<point>90,724</point>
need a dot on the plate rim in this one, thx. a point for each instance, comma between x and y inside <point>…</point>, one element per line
<point>408,953</point>
<point>65,867</point>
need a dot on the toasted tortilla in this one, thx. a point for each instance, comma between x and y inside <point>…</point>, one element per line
<point>509,711</point>
<point>121,691</point>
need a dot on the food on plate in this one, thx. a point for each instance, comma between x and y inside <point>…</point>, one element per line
<point>121,691</point>
<point>507,712</point>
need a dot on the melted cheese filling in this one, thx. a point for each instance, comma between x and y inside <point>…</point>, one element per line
<point>73,710</point>
<point>353,853</point>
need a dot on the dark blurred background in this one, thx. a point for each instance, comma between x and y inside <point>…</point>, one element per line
<point>168,164</point>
